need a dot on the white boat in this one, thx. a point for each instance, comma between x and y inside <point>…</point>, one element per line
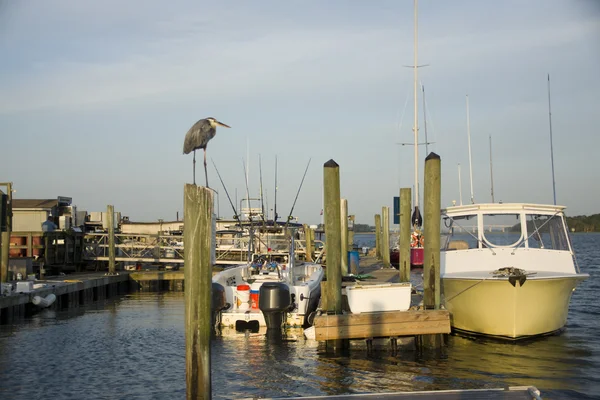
<point>269,290</point>
<point>507,270</point>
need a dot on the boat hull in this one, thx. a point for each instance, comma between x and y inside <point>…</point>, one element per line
<point>416,257</point>
<point>494,307</point>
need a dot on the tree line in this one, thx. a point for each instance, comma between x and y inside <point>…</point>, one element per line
<point>584,223</point>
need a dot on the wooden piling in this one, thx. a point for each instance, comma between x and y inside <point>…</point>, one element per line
<point>404,236</point>
<point>110,211</point>
<point>385,236</point>
<point>309,242</point>
<point>6,235</point>
<point>333,245</point>
<point>378,236</point>
<point>3,271</point>
<point>197,239</point>
<point>431,232</point>
<point>344,235</point>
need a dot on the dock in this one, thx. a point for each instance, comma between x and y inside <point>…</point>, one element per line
<point>389,324</point>
<point>70,291</point>
<point>81,288</point>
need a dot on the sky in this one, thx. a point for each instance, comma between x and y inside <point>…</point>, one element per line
<point>96,99</point>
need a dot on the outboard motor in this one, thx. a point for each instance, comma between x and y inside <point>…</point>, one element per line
<point>274,301</point>
<point>218,302</point>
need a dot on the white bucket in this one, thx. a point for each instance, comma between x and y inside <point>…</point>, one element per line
<point>242,297</point>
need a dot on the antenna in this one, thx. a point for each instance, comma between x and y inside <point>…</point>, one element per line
<point>459,186</point>
<point>275,216</point>
<point>491,170</point>
<point>247,169</point>
<point>470,163</point>
<point>551,146</point>
<point>262,203</point>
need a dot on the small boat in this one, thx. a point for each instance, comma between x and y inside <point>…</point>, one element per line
<point>416,251</point>
<point>507,270</point>
<point>272,290</point>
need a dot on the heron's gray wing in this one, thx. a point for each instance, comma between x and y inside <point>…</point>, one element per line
<point>194,137</point>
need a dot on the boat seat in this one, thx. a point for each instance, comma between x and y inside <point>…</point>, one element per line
<point>458,245</point>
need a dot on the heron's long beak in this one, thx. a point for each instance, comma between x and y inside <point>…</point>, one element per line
<point>222,124</point>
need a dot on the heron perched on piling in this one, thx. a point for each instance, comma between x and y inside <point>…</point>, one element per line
<point>197,138</point>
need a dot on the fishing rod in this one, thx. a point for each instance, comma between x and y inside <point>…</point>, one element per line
<point>262,203</point>
<point>297,193</point>
<point>251,232</point>
<point>235,214</point>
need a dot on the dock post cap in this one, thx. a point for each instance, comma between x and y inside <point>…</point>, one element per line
<point>330,164</point>
<point>432,156</point>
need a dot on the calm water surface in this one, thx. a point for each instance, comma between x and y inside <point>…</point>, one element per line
<point>134,348</point>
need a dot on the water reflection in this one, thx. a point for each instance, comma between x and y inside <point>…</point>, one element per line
<point>490,363</point>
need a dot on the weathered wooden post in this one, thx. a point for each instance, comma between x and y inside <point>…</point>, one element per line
<point>404,238</point>
<point>333,245</point>
<point>312,243</point>
<point>344,235</point>
<point>197,240</point>
<point>6,235</point>
<point>378,236</point>
<point>3,272</point>
<point>431,228</point>
<point>47,248</point>
<point>110,211</point>
<point>309,242</point>
<point>385,237</point>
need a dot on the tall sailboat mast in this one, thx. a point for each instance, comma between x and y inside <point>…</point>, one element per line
<point>416,217</point>
<point>425,121</point>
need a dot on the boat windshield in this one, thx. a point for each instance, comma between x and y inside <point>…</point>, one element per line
<point>501,230</point>
<point>461,232</point>
<point>546,232</point>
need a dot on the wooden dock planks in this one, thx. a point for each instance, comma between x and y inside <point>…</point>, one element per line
<point>381,324</point>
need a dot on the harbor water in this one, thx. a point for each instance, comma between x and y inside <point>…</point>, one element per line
<point>133,347</point>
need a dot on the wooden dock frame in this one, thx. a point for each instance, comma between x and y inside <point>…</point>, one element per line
<point>388,324</point>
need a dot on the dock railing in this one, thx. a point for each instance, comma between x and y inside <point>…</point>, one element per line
<point>168,249</point>
<point>56,248</point>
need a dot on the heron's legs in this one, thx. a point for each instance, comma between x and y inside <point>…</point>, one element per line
<point>194,167</point>
<point>205,173</point>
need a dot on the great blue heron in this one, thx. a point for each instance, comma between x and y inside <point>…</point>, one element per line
<point>197,138</point>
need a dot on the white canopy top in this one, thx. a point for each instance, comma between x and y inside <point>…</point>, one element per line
<point>503,208</point>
